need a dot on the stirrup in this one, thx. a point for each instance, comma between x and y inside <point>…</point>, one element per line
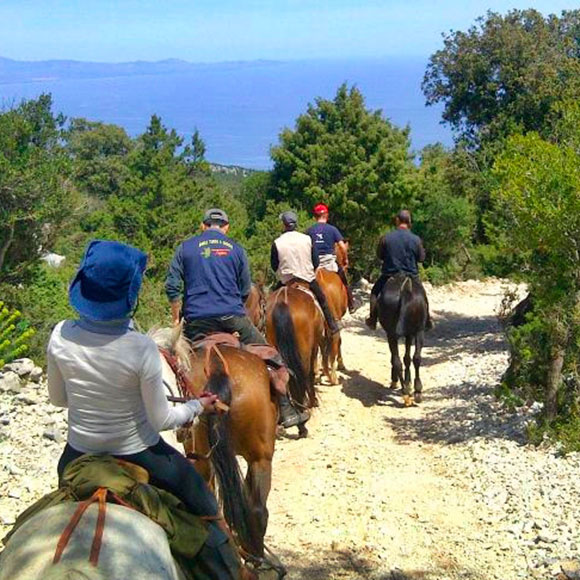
<point>294,418</point>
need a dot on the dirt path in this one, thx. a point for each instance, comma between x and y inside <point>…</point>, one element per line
<point>444,491</point>
<point>375,492</point>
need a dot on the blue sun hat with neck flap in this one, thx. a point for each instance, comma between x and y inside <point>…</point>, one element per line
<point>108,281</point>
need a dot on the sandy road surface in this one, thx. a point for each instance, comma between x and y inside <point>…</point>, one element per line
<point>446,490</point>
<point>377,490</point>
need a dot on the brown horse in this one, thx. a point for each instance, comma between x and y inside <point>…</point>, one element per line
<point>295,326</point>
<point>256,306</point>
<point>337,299</point>
<point>241,381</point>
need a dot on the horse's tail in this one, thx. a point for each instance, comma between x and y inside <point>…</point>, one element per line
<point>300,384</point>
<point>235,500</point>
<point>407,323</point>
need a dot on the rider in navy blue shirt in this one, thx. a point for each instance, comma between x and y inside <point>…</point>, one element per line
<point>209,281</point>
<point>400,251</point>
<point>211,272</point>
<point>325,237</point>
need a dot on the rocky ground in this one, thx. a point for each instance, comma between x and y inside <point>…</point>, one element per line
<point>444,490</point>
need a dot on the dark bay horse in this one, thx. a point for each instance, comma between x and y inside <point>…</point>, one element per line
<point>337,299</point>
<point>256,306</point>
<point>403,313</point>
<point>295,326</point>
<point>241,380</point>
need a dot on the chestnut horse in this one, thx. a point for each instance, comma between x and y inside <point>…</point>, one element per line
<point>241,381</point>
<point>403,312</point>
<point>295,326</point>
<point>337,299</point>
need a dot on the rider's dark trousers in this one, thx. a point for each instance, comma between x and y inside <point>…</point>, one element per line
<point>168,470</point>
<point>200,327</point>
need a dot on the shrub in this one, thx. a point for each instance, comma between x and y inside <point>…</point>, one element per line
<point>14,335</point>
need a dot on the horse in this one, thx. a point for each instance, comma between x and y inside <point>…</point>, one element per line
<point>241,381</point>
<point>133,546</point>
<point>402,312</point>
<point>256,306</point>
<point>337,299</point>
<point>295,326</point>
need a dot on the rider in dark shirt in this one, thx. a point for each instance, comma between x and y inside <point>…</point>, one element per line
<point>324,239</point>
<point>400,251</point>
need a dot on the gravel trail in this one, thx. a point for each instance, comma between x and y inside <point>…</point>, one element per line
<point>442,491</point>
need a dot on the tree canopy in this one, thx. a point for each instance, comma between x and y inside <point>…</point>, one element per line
<point>351,158</point>
<point>35,197</point>
<point>506,73</point>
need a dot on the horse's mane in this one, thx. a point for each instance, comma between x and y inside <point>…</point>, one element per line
<point>172,339</point>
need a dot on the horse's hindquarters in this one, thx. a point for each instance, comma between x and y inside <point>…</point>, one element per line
<point>133,546</point>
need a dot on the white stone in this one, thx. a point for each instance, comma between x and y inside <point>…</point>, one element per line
<point>53,260</point>
<point>21,366</point>
<point>10,382</point>
<point>35,375</point>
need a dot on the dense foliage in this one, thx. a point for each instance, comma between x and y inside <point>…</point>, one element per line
<point>351,158</point>
<point>538,195</point>
<point>14,335</point>
<point>35,196</point>
<point>506,73</point>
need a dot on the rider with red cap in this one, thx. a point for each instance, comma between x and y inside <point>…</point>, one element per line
<point>324,238</point>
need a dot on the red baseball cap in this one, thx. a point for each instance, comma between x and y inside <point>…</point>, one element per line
<point>320,208</point>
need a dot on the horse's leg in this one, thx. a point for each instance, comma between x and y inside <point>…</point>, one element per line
<point>396,366</point>
<point>333,358</point>
<point>321,361</point>
<point>418,387</point>
<point>407,359</point>
<point>259,482</point>
<point>407,397</point>
<point>340,366</point>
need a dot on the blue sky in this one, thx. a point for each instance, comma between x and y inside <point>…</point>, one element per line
<point>217,30</point>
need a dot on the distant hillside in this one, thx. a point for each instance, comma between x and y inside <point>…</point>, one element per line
<point>15,71</point>
<point>231,169</point>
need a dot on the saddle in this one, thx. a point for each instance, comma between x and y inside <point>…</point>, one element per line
<point>303,286</point>
<point>279,375</point>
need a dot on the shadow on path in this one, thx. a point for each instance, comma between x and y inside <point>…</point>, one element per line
<point>369,392</point>
<point>470,412</point>
<point>351,564</point>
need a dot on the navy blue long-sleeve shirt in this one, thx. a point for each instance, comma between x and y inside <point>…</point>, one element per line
<point>212,274</point>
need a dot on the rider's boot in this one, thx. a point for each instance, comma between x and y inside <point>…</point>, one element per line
<point>371,321</point>
<point>289,416</point>
<point>320,296</point>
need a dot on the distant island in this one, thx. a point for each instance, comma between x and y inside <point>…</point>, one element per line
<point>18,71</point>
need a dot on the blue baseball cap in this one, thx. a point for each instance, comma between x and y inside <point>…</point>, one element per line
<point>108,281</point>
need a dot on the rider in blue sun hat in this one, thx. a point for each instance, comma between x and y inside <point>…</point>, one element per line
<point>110,379</point>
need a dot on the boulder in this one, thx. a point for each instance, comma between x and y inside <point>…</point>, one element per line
<point>35,375</point>
<point>21,366</point>
<point>10,382</point>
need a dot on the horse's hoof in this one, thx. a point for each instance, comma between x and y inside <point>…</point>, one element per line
<point>418,397</point>
<point>302,431</point>
<point>393,385</point>
<point>408,400</point>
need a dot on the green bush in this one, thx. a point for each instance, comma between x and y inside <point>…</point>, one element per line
<point>14,335</point>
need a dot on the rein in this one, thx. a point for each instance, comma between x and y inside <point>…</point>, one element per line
<point>183,383</point>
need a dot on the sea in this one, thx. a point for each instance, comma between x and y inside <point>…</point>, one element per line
<point>241,108</point>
